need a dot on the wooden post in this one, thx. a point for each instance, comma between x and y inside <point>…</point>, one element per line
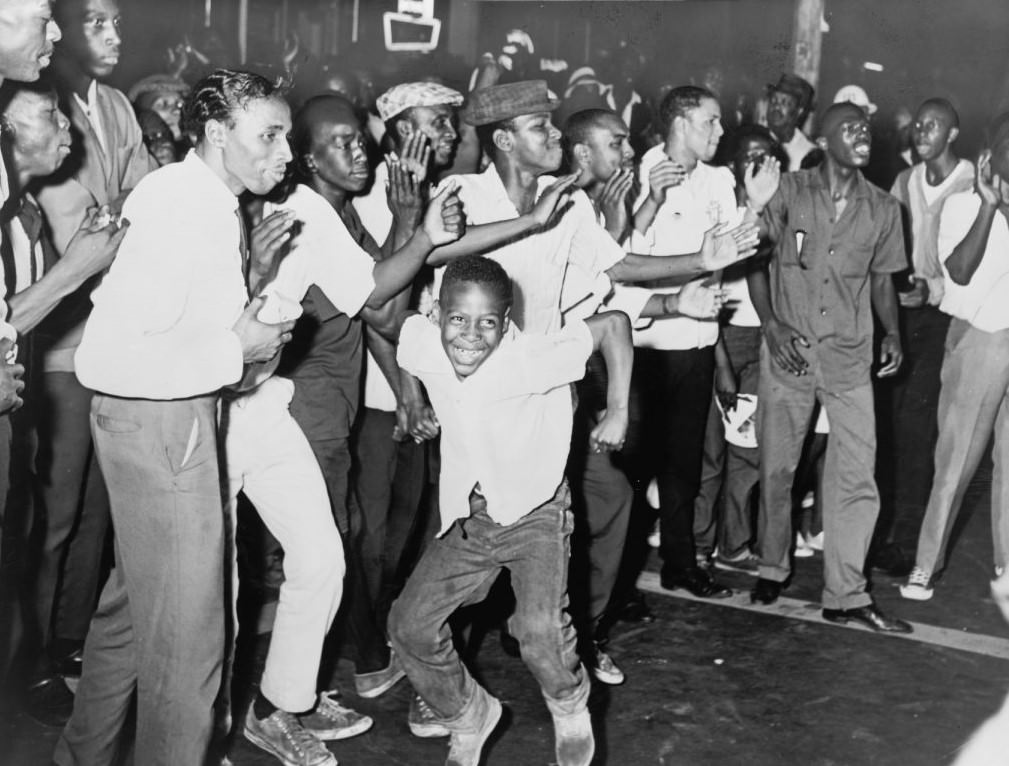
<point>243,31</point>
<point>806,40</point>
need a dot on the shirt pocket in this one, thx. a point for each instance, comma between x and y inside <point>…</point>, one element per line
<point>858,253</point>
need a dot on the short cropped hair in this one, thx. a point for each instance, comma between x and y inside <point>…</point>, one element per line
<point>219,95</point>
<point>679,102</point>
<point>945,106</point>
<point>479,270</point>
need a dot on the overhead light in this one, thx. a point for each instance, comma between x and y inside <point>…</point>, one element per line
<point>872,66</point>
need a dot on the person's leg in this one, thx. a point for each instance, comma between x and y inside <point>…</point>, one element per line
<point>451,570</point>
<point>742,464</point>
<point>357,619</point>
<point>283,481</point>
<point>973,386</point>
<point>535,549</point>
<point>1000,487</point>
<point>784,410</point>
<point>374,471</point>
<point>160,626</point>
<point>707,508</point>
<point>687,376</point>
<point>76,510</point>
<point>850,502</point>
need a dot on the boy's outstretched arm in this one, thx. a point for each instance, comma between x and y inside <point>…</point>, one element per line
<point>611,336</point>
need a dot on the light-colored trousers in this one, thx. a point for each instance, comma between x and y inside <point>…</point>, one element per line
<point>850,498</point>
<point>973,402</point>
<point>269,458</point>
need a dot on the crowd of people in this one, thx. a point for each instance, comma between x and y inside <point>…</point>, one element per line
<point>360,355</point>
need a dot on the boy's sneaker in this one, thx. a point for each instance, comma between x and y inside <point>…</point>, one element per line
<point>745,562</point>
<point>575,743</point>
<point>605,669</point>
<point>423,722</point>
<point>332,721</point>
<point>282,735</point>
<point>917,587</point>
<point>371,685</point>
<point>465,746</point>
<point>803,550</point>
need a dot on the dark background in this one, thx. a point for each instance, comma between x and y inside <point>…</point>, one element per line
<point>951,48</point>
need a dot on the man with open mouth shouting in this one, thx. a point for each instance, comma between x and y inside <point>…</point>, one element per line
<point>838,240</point>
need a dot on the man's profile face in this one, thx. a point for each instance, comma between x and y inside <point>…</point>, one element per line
<point>931,131</point>
<point>609,150</point>
<point>41,132</point>
<point>702,129</point>
<point>1000,170</point>
<point>473,320</point>
<point>437,123</point>
<point>849,139</point>
<point>338,150</point>
<point>536,143</point>
<point>27,34</point>
<point>782,111</point>
<point>256,151</point>
<point>93,37</point>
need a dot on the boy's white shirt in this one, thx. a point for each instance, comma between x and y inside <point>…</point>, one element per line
<point>506,427</point>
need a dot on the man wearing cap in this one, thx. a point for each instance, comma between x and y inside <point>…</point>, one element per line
<point>163,94</point>
<point>838,242</point>
<point>790,101</point>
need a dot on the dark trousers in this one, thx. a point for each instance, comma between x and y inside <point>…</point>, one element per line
<point>389,484</point>
<point>74,510</point>
<point>909,427</point>
<point>675,394</point>
<point>356,617</point>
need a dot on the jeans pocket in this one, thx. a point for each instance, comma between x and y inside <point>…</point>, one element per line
<point>116,425</point>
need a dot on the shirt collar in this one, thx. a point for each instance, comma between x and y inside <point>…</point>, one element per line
<point>860,190</point>
<point>214,187</point>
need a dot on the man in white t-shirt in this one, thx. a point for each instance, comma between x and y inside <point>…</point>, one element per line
<point>907,446</point>
<point>973,241</point>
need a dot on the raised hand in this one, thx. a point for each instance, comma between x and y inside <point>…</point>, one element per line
<point>613,202</point>
<point>662,176</point>
<point>266,242</point>
<point>700,301</point>
<point>721,248</point>
<point>987,186</point>
<point>444,220</point>
<point>415,154</point>
<point>406,193</point>
<point>762,184</point>
<point>550,200</point>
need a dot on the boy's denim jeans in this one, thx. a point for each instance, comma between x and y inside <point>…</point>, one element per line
<point>459,569</point>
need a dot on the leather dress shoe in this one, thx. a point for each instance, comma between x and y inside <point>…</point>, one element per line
<point>766,591</point>
<point>870,616</point>
<point>71,665</point>
<point>890,560</point>
<point>696,581</point>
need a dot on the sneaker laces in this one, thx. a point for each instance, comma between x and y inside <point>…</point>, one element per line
<point>302,741</point>
<point>424,711</point>
<point>919,577</point>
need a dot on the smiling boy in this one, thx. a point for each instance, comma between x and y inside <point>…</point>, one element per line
<point>496,392</point>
